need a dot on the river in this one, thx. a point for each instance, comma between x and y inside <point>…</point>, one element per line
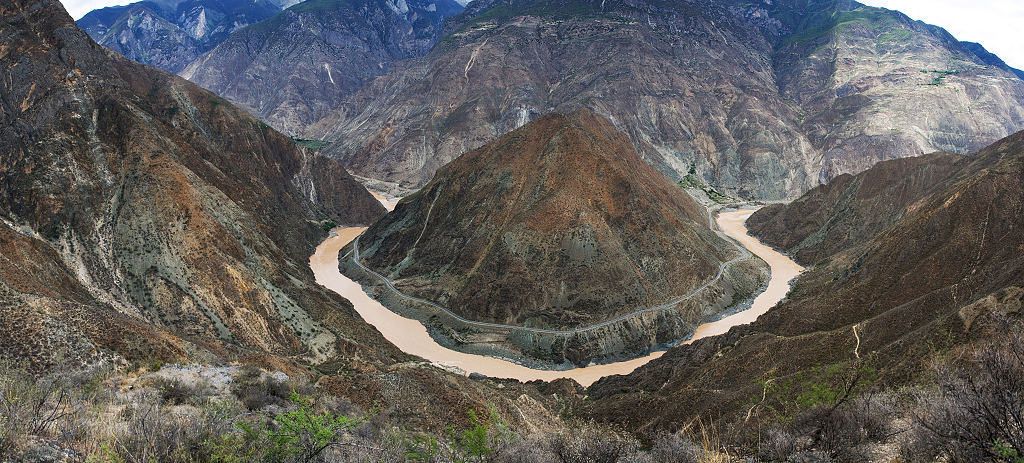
<point>411,336</point>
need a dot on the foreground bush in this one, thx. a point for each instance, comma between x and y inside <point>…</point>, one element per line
<point>972,412</point>
<point>977,412</point>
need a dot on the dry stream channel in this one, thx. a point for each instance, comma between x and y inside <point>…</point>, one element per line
<point>411,336</point>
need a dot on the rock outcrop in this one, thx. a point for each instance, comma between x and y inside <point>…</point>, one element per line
<point>170,34</point>
<point>762,99</point>
<point>558,225</point>
<point>294,68</point>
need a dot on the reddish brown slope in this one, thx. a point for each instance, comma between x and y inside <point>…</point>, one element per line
<point>558,224</point>
<point>851,209</point>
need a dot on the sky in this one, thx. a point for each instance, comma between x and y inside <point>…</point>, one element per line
<point>78,8</point>
<point>996,24</point>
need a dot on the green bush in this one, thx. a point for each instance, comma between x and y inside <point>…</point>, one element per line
<point>305,433</point>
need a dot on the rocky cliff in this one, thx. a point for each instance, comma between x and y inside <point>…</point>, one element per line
<point>170,34</point>
<point>293,69</point>
<point>556,225</point>
<point>142,217</point>
<point>946,268</point>
<point>762,99</point>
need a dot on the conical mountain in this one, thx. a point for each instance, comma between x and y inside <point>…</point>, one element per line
<point>558,224</point>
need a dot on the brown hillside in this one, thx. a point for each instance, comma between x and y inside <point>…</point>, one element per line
<point>891,301</point>
<point>556,225</point>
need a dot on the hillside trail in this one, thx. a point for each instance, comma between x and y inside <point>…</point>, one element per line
<point>411,336</point>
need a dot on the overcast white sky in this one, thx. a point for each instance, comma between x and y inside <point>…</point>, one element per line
<point>79,8</point>
<point>996,24</point>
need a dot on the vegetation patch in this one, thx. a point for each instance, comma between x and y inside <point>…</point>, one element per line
<point>820,24</point>
<point>938,77</point>
<point>313,144</point>
<point>691,181</point>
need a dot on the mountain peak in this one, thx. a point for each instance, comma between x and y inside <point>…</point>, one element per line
<point>558,224</point>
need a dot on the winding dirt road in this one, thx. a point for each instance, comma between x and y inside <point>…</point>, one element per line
<point>411,336</point>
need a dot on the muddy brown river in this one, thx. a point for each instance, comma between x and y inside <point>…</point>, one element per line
<point>411,336</point>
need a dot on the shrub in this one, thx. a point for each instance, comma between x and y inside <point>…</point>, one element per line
<point>258,390</point>
<point>674,447</point>
<point>534,448</point>
<point>28,406</point>
<point>481,439</point>
<point>175,391</point>
<point>305,433</point>
<point>590,443</point>
<point>978,412</point>
<point>155,433</point>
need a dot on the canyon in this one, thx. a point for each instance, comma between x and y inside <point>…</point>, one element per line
<point>412,337</point>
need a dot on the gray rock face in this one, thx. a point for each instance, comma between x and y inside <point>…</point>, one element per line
<point>171,34</point>
<point>296,67</point>
<point>763,99</point>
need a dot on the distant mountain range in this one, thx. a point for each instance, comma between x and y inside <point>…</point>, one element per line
<point>298,66</point>
<point>170,34</point>
<point>761,99</point>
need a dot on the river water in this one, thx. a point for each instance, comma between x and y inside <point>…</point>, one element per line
<point>411,336</point>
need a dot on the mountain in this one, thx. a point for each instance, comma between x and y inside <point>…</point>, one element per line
<point>143,218</point>
<point>990,58</point>
<point>557,225</point>
<point>295,67</point>
<point>762,99</point>
<point>851,209</point>
<point>939,267</point>
<point>170,34</point>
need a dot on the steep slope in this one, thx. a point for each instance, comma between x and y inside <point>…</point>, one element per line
<point>935,277</point>
<point>557,225</point>
<point>294,68</point>
<point>764,99</point>
<point>171,34</point>
<point>144,217</point>
<point>872,85</point>
<point>851,209</point>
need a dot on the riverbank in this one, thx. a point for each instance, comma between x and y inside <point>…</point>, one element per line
<point>412,337</point>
